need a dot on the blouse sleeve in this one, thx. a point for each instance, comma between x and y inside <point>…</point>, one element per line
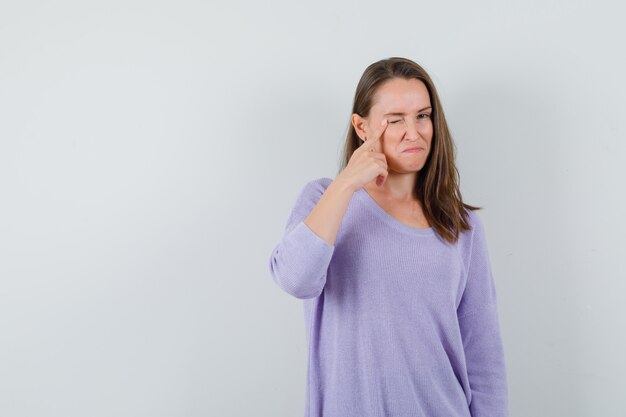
<point>480,331</point>
<point>299,262</point>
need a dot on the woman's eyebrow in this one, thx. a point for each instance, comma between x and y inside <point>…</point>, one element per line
<point>402,114</point>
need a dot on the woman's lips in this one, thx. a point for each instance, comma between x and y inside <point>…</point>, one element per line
<point>412,150</point>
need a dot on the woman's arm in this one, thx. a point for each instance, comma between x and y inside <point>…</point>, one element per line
<point>299,262</point>
<point>480,331</point>
<point>325,218</point>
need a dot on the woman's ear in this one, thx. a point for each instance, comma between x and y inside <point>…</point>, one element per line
<point>360,126</point>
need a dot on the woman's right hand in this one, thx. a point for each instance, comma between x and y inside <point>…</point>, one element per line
<point>367,162</point>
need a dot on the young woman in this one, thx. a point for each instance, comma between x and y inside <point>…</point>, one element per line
<point>393,268</point>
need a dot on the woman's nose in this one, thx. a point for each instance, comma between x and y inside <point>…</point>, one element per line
<point>412,130</point>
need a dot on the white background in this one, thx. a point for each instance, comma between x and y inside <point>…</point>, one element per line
<point>150,153</point>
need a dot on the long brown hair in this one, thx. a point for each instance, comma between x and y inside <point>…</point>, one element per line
<point>437,187</point>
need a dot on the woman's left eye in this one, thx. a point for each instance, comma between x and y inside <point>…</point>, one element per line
<point>425,114</point>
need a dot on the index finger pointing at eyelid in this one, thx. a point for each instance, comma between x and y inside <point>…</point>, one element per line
<point>381,130</point>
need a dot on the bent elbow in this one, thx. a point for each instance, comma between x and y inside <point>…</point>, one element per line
<point>298,282</point>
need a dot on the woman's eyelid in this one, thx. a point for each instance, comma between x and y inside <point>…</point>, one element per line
<point>418,116</point>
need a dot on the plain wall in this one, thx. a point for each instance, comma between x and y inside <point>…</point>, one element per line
<point>151,151</point>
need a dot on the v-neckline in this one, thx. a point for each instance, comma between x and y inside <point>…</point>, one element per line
<point>388,218</point>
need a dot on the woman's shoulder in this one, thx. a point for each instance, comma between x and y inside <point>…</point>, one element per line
<point>467,238</point>
<point>318,185</point>
<point>477,226</point>
<point>312,191</point>
<point>470,215</point>
<point>322,181</point>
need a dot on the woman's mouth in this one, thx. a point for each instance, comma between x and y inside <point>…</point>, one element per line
<point>412,150</point>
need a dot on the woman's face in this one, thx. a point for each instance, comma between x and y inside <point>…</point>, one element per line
<point>405,103</point>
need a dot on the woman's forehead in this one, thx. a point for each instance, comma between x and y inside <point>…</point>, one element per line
<point>401,96</point>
